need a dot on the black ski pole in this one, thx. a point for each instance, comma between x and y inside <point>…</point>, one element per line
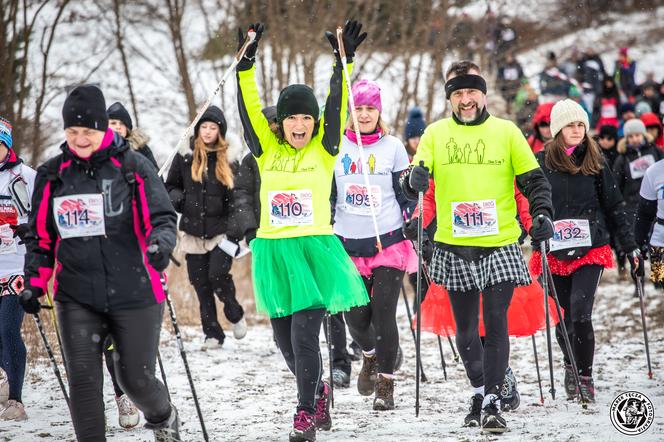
<point>568,345</point>
<point>420,234</point>
<point>51,356</point>
<point>545,289</point>
<point>442,358</point>
<point>449,339</point>
<point>54,320</point>
<point>639,287</point>
<point>412,330</point>
<point>539,377</point>
<point>163,374</point>
<point>330,347</point>
<point>454,352</point>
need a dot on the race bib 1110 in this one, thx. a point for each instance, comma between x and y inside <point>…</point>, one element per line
<point>474,218</point>
<point>291,208</point>
<point>78,216</point>
<point>570,233</point>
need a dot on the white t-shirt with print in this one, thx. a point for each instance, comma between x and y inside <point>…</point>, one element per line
<point>353,213</point>
<point>652,188</point>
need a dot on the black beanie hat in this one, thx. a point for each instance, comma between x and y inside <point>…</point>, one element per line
<point>215,115</point>
<point>118,112</point>
<point>608,130</point>
<point>297,99</point>
<point>85,106</point>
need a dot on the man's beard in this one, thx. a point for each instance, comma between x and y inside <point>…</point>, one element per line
<point>475,116</point>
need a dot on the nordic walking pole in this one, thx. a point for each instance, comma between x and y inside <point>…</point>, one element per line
<point>154,248</point>
<point>410,327</point>
<point>54,320</point>
<point>568,345</point>
<point>545,289</point>
<point>328,322</point>
<point>251,35</point>
<point>639,287</point>
<point>51,356</point>
<point>449,339</point>
<point>163,374</point>
<point>356,126</point>
<point>539,377</point>
<point>442,358</point>
<point>454,352</point>
<point>420,238</point>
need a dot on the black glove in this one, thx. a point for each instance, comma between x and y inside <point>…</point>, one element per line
<point>410,229</point>
<point>29,300</point>
<point>636,267</point>
<point>158,257</point>
<point>542,229</point>
<point>351,37</point>
<point>250,235</point>
<point>419,179</point>
<point>427,250</point>
<point>250,54</point>
<point>22,231</point>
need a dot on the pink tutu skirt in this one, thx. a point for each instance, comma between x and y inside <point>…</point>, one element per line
<point>400,256</point>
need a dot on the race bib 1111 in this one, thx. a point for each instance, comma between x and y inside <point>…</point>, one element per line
<point>570,233</point>
<point>291,208</point>
<point>78,216</point>
<point>474,218</point>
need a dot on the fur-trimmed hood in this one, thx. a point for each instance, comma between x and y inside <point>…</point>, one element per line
<point>137,139</point>
<point>235,148</point>
<point>622,144</point>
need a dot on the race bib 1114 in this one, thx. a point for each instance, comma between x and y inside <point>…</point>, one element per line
<point>291,208</point>
<point>474,218</point>
<point>78,216</point>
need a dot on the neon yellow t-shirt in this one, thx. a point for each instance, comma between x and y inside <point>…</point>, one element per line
<point>474,169</point>
<point>295,183</point>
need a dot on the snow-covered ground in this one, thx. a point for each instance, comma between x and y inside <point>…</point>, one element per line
<point>247,394</point>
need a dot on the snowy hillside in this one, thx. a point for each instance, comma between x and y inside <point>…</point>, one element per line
<point>247,393</point>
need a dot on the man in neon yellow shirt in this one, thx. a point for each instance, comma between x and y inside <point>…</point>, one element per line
<point>474,159</point>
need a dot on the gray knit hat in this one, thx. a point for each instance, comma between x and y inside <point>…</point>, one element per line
<point>565,112</point>
<point>634,126</point>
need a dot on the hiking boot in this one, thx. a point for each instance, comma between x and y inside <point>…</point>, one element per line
<point>13,412</point>
<point>304,428</point>
<point>355,352</point>
<point>570,383</point>
<point>4,393</point>
<point>492,421</point>
<point>399,361</point>
<point>340,378</point>
<point>128,416</point>
<point>474,415</point>
<point>587,389</point>
<point>240,329</point>
<point>384,399</point>
<point>167,430</point>
<point>322,417</point>
<point>366,380</point>
<point>509,396</point>
<point>211,344</point>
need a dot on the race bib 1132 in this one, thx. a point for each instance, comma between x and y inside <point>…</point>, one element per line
<point>79,215</point>
<point>570,233</point>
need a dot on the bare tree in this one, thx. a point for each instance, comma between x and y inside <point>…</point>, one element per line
<point>175,13</point>
<point>119,42</point>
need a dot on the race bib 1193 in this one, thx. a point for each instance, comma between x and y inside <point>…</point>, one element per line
<point>474,218</point>
<point>291,208</point>
<point>79,215</point>
<point>356,197</point>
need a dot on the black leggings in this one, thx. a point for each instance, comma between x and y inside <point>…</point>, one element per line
<point>108,358</point>
<point>378,318</point>
<point>340,356</point>
<point>484,365</point>
<point>297,337</point>
<point>135,336</point>
<point>576,294</point>
<point>208,273</point>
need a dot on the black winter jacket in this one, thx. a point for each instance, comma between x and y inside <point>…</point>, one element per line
<point>207,208</point>
<point>248,195</point>
<point>629,186</point>
<point>104,272</point>
<point>592,197</point>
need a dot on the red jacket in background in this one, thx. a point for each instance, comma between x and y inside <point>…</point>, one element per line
<point>542,115</point>
<point>651,119</point>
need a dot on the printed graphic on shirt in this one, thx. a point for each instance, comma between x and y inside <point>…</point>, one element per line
<point>8,212</point>
<point>355,167</point>
<point>455,153</point>
<point>79,215</point>
<point>638,167</point>
<point>7,242</point>
<point>570,233</point>
<point>356,197</point>
<point>291,207</point>
<point>288,161</point>
<point>474,218</point>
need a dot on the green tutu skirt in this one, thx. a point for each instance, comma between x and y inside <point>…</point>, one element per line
<point>304,273</point>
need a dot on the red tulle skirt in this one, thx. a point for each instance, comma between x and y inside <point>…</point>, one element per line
<point>525,315</point>
<point>602,255</point>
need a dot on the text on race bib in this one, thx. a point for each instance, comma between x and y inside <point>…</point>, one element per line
<point>7,241</point>
<point>638,167</point>
<point>474,218</point>
<point>79,216</point>
<point>291,208</point>
<point>570,233</point>
<point>356,197</point>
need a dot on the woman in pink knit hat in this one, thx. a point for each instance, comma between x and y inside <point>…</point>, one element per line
<point>382,157</point>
